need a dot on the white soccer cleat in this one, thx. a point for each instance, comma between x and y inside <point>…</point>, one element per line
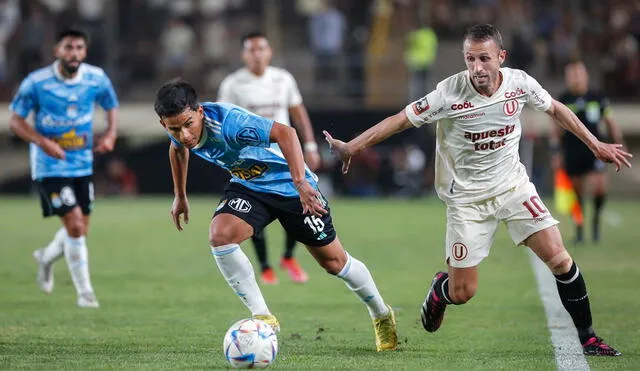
<point>45,273</point>
<point>88,300</point>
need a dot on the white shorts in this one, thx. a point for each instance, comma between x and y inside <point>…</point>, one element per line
<point>472,227</point>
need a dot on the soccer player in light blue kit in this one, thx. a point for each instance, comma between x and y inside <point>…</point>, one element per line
<point>269,181</point>
<point>62,97</point>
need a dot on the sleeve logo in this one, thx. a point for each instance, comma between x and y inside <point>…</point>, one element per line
<point>248,137</point>
<point>420,106</point>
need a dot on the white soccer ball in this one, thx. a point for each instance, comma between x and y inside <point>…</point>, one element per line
<point>250,343</point>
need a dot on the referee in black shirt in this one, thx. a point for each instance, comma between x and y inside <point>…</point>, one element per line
<point>570,153</point>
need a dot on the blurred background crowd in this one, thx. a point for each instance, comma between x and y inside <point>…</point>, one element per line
<point>143,42</point>
<point>359,58</point>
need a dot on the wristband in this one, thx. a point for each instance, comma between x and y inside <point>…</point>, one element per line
<point>311,147</point>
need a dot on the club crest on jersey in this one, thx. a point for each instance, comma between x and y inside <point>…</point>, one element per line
<point>72,111</point>
<point>510,107</point>
<point>240,205</point>
<point>254,171</point>
<point>248,137</point>
<point>420,106</point>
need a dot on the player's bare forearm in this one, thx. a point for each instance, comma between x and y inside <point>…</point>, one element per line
<point>112,122</point>
<point>179,159</point>
<point>289,144</point>
<point>379,132</point>
<point>570,122</point>
<point>20,127</point>
<point>302,123</point>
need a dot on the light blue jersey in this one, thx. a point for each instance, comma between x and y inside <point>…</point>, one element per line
<point>64,111</point>
<point>238,141</point>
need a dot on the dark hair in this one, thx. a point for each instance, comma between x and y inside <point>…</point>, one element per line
<point>174,97</point>
<point>72,32</point>
<point>484,32</point>
<point>251,35</point>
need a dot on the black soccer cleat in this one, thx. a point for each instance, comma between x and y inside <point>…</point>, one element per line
<point>595,346</point>
<point>433,307</point>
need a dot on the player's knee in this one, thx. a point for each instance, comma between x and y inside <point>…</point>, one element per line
<point>333,266</point>
<point>75,227</point>
<point>560,263</point>
<point>220,236</point>
<point>462,292</point>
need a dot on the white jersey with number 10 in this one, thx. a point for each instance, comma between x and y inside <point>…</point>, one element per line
<point>477,136</point>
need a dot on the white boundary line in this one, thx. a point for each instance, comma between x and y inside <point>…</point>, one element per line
<point>564,337</point>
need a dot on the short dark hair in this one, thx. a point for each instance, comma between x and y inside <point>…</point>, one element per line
<point>174,97</point>
<point>72,32</point>
<point>251,35</point>
<point>484,32</point>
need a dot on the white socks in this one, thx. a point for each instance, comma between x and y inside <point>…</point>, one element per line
<point>238,271</point>
<point>358,279</point>
<point>75,252</point>
<point>55,248</point>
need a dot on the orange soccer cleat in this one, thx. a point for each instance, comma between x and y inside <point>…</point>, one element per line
<point>292,267</point>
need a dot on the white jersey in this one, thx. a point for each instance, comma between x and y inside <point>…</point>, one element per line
<point>477,136</point>
<point>270,95</point>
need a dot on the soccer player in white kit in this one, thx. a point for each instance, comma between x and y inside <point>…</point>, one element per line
<point>271,92</point>
<point>480,178</point>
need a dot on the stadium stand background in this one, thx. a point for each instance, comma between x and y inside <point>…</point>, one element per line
<point>142,43</point>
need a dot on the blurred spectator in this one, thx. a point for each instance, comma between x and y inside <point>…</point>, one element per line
<point>177,44</point>
<point>420,54</point>
<point>327,30</point>
<point>408,169</point>
<point>362,178</point>
<point>9,18</point>
<point>35,32</point>
<point>91,14</point>
<point>120,179</point>
<point>518,33</point>
<point>62,13</point>
<point>214,36</point>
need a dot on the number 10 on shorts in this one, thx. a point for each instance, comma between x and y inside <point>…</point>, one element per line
<point>534,205</point>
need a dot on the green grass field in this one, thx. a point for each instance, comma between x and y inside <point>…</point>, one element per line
<point>165,306</point>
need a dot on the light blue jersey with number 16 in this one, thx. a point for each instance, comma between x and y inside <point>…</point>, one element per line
<point>238,141</point>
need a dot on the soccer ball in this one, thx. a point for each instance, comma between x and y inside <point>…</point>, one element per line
<point>250,343</point>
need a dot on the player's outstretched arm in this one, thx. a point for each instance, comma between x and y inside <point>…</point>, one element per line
<point>606,152</point>
<point>20,127</point>
<point>372,136</point>
<point>302,122</point>
<point>179,159</point>
<point>289,144</point>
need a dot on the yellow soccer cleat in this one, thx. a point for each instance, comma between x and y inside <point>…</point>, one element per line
<point>270,320</point>
<point>386,332</point>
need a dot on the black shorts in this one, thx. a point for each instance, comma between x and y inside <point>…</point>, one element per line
<point>259,209</point>
<point>578,164</point>
<point>58,196</point>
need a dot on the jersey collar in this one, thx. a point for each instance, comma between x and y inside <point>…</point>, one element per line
<point>203,137</point>
<point>495,93</point>
<point>59,76</point>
